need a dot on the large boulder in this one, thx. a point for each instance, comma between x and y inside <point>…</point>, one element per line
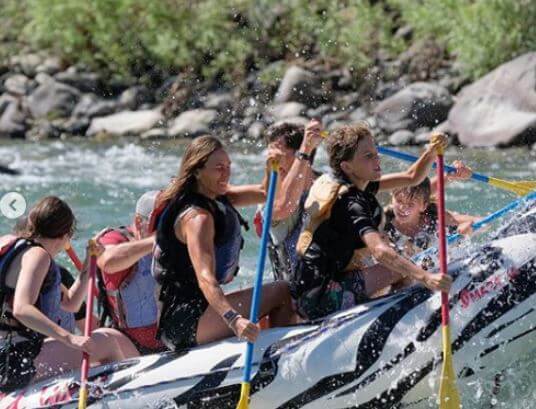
<point>419,104</point>
<point>125,123</point>
<point>298,85</point>
<point>500,108</point>
<point>193,123</point>
<point>53,99</point>
<point>12,118</point>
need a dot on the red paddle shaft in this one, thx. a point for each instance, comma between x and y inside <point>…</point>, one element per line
<point>442,237</point>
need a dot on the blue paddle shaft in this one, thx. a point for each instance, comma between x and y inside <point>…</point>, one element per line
<point>257,288</point>
<point>411,158</point>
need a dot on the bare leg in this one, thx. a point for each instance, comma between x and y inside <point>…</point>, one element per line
<point>378,277</point>
<point>56,358</point>
<point>276,303</point>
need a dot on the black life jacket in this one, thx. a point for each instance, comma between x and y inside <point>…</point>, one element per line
<point>172,267</point>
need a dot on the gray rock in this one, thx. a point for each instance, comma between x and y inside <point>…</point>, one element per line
<point>193,123</point>
<point>43,78</point>
<point>285,110</point>
<point>349,101</point>
<point>50,66</point>
<point>320,111</point>
<point>360,114</point>
<point>125,123</point>
<point>73,125</point>
<point>339,116</point>
<point>219,101</point>
<point>53,98</point>
<point>133,98</point>
<point>422,136</point>
<point>91,106</point>
<point>83,81</point>
<point>419,104</point>
<point>27,63</point>
<point>297,85</point>
<point>155,133</point>
<point>18,84</point>
<point>500,108</point>
<point>42,129</point>
<point>401,137</point>
<point>256,130</point>
<point>297,120</point>
<point>12,119</point>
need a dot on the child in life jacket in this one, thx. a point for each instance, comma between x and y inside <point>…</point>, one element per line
<point>412,219</point>
<point>126,285</point>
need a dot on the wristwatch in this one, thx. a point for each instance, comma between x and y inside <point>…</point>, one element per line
<point>231,316</point>
<point>304,156</point>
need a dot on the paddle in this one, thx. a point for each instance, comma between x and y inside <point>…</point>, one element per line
<point>478,225</point>
<point>521,188</point>
<point>74,258</point>
<point>449,397</point>
<point>243,403</point>
<point>92,249</point>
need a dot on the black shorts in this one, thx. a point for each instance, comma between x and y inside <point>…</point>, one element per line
<point>178,324</point>
<point>17,367</point>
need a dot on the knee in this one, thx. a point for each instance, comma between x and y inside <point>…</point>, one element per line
<point>281,290</point>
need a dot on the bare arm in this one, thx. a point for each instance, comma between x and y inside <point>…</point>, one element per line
<point>414,175</point>
<point>119,257</point>
<point>34,267</point>
<point>198,228</point>
<point>246,195</point>
<point>296,181</point>
<point>388,257</point>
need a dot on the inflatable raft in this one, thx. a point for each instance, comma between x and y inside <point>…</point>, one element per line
<point>382,354</point>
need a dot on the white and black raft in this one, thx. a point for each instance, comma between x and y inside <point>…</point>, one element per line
<point>382,354</point>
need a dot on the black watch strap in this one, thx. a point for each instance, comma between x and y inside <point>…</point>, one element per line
<point>304,156</point>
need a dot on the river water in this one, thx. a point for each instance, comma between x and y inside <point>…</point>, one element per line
<point>102,180</point>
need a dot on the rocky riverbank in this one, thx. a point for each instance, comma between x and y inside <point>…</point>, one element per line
<point>401,99</point>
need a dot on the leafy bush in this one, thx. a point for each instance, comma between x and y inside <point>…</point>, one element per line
<point>482,34</point>
<point>229,37</point>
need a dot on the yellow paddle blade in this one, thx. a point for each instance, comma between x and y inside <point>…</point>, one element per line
<point>449,397</point>
<point>82,399</point>
<point>529,184</point>
<point>243,403</point>
<point>519,188</point>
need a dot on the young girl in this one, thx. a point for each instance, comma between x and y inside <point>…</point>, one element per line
<point>32,343</point>
<point>411,219</point>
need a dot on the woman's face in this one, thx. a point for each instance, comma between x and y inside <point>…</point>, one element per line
<point>287,154</point>
<point>408,210</point>
<point>365,164</point>
<point>213,178</point>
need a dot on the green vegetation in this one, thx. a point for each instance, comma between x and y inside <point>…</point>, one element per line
<point>227,38</point>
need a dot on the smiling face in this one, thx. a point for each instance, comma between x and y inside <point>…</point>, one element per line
<point>408,209</point>
<point>213,178</point>
<point>364,165</point>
